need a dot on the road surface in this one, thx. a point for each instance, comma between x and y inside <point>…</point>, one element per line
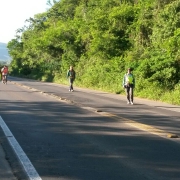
<point>89,135</point>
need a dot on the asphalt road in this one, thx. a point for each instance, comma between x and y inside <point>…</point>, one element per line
<point>90,135</point>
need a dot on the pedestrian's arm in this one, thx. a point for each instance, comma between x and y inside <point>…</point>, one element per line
<point>74,75</point>
<point>134,81</point>
<point>67,75</point>
<point>123,83</point>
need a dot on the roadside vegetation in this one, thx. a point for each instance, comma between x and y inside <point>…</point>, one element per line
<point>101,39</point>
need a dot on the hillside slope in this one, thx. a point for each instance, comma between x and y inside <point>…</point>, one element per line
<point>4,56</point>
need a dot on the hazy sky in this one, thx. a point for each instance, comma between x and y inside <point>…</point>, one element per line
<point>13,14</point>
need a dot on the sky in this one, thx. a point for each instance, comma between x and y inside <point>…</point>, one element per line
<point>13,14</point>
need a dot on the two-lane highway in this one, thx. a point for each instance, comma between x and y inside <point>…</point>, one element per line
<point>66,139</point>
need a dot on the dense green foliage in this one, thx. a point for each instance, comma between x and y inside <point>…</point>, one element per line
<point>101,39</point>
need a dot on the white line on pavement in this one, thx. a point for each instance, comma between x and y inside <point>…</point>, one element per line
<point>24,160</point>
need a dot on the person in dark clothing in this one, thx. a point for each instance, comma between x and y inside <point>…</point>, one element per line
<point>71,75</point>
<point>129,85</point>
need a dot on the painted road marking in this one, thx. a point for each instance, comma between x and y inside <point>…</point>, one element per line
<point>135,124</point>
<point>24,160</point>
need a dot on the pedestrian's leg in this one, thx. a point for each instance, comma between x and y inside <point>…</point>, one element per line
<point>69,84</point>
<point>72,85</point>
<point>6,79</point>
<point>2,78</point>
<point>131,94</point>
<point>127,94</point>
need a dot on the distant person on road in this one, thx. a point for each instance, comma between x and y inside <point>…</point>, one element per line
<point>71,75</point>
<point>129,85</point>
<point>4,72</point>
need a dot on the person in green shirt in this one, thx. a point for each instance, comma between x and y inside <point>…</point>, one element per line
<point>129,85</point>
<point>71,75</point>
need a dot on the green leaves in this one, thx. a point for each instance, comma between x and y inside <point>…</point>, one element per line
<point>101,38</point>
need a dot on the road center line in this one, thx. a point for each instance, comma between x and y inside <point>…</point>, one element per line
<point>130,122</point>
<point>24,160</point>
<point>135,124</point>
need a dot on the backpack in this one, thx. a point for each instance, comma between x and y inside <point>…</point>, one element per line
<point>5,70</point>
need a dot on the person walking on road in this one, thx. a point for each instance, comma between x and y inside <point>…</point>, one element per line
<point>71,75</point>
<point>129,85</point>
<point>4,72</point>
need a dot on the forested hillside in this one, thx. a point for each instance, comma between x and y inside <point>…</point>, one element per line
<point>101,39</point>
<point>4,56</point>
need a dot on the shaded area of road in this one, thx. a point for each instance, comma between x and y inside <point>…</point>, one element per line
<point>160,115</point>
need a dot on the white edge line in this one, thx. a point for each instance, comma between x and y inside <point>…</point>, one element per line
<point>24,160</point>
